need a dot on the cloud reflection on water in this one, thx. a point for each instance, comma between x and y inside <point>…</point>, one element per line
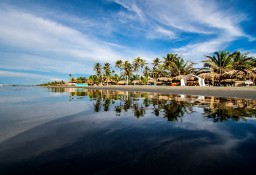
<point>103,142</point>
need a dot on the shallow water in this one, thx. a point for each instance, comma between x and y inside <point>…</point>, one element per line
<point>77,131</point>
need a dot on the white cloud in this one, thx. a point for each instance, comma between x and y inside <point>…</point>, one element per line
<point>196,52</point>
<point>4,73</point>
<point>161,33</point>
<point>56,42</point>
<point>52,41</point>
<point>44,45</point>
<point>172,18</point>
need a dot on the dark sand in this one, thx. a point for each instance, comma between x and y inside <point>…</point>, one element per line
<point>234,92</point>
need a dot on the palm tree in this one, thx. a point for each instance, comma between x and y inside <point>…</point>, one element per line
<point>70,75</point>
<point>138,64</point>
<point>156,62</point>
<point>241,62</point>
<point>170,57</point>
<point>116,77</point>
<point>155,70</point>
<point>93,79</point>
<point>180,67</point>
<point>219,62</point>
<point>119,64</point>
<point>142,64</point>
<point>168,62</point>
<point>107,71</point>
<point>97,69</point>
<point>127,70</point>
<point>146,73</point>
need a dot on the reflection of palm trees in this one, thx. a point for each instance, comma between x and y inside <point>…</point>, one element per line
<point>118,110</point>
<point>127,104</point>
<point>169,106</point>
<point>146,102</point>
<point>138,111</point>
<point>225,110</point>
<point>97,105</point>
<point>174,110</point>
<point>106,104</point>
<point>157,106</point>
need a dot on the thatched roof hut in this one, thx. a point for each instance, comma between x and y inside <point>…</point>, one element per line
<point>179,77</point>
<point>109,81</point>
<point>228,81</point>
<point>89,82</point>
<point>122,82</point>
<point>209,75</point>
<point>240,74</point>
<point>151,81</point>
<point>165,79</point>
<point>136,82</point>
<point>159,83</point>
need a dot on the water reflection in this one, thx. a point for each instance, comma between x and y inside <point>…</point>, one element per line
<point>170,106</point>
<point>77,131</point>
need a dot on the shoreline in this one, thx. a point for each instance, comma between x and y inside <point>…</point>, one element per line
<point>248,92</point>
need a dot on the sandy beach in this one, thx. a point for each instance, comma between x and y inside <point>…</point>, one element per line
<point>234,92</point>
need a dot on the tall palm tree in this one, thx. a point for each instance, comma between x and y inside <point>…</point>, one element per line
<point>138,64</point>
<point>180,67</point>
<point>97,69</point>
<point>146,73</point>
<point>241,62</point>
<point>170,57</point>
<point>127,70</point>
<point>116,77</point>
<point>169,60</point>
<point>219,62</point>
<point>142,64</point>
<point>156,62</point>
<point>70,75</point>
<point>155,70</point>
<point>93,79</point>
<point>119,65</point>
<point>107,71</point>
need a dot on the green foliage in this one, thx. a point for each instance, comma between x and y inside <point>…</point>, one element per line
<point>53,83</point>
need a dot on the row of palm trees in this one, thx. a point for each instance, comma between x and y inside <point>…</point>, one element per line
<point>171,106</point>
<point>223,63</point>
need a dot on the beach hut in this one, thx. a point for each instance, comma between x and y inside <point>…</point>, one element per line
<point>165,79</point>
<point>228,82</point>
<point>122,82</point>
<point>136,82</point>
<point>209,75</point>
<point>184,79</point>
<point>109,82</point>
<point>151,82</point>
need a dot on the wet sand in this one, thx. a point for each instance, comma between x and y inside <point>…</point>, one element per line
<point>234,92</point>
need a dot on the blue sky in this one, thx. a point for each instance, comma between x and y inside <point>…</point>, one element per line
<point>45,40</point>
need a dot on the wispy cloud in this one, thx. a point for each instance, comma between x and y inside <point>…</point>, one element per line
<point>196,52</point>
<point>51,39</point>
<point>173,18</point>
<point>27,75</point>
<point>32,32</point>
<point>51,46</point>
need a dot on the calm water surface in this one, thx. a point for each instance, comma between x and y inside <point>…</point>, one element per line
<point>77,131</point>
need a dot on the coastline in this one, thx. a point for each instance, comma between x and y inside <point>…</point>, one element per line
<point>248,92</point>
